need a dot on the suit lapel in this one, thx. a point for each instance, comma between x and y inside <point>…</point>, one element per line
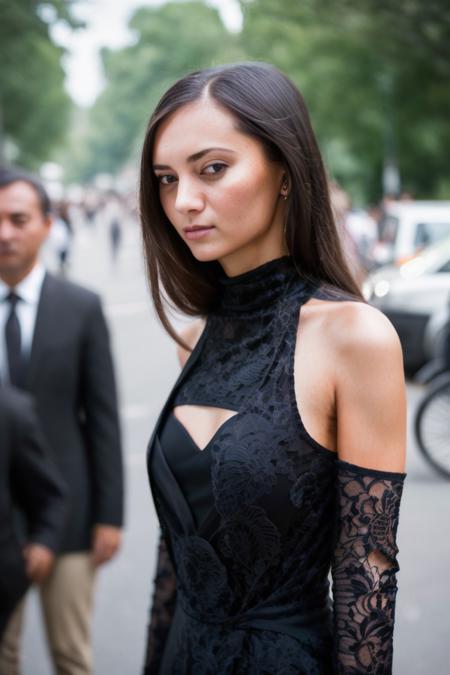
<point>43,323</point>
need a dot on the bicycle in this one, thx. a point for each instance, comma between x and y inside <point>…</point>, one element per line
<point>432,424</point>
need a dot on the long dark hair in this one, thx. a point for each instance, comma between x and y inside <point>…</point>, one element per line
<point>268,107</point>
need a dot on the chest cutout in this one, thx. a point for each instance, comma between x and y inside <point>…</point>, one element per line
<point>202,423</point>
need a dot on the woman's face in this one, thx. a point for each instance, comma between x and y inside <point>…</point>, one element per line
<point>215,177</point>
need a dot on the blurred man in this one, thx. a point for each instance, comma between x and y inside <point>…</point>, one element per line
<point>55,344</point>
<point>29,482</point>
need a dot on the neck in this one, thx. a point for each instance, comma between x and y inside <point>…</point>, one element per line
<point>245,260</point>
<point>257,289</point>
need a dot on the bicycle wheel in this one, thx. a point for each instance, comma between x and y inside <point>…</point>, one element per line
<point>432,426</point>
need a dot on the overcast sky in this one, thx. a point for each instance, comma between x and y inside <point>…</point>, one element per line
<point>106,26</point>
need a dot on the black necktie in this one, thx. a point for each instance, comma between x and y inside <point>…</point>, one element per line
<point>13,342</point>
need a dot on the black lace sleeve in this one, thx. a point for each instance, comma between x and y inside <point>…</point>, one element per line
<point>364,568</point>
<point>163,605</point>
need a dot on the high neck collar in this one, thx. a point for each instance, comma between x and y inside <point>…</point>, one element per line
<point>257,289</point>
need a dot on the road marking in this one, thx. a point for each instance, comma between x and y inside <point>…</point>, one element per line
<point>127,309</point>
<point>136,459</point>
<point>135,412</point>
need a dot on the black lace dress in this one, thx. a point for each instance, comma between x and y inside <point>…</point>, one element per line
<point>252,524</point>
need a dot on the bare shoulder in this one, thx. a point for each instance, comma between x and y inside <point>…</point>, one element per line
<point>351,326</point>
<point>358,329</point>
<point>190,334</point>
<point>365,362</point>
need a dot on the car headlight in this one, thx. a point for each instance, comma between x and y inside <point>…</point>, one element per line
<point>381,288</point>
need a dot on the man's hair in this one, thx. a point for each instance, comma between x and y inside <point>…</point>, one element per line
<point>10,175</point>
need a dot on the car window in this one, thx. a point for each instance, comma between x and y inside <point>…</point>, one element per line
<point>445,268</point>
<point>428,233</point>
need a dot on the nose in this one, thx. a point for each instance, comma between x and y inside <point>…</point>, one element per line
<point>189,197</point>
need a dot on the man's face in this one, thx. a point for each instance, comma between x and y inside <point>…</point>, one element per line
<point>23,229</point>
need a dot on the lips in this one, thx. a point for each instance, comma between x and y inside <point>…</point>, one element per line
<point>196,228</point>
<point>197,232</point>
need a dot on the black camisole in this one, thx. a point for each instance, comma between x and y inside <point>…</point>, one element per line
<point>190,466</point>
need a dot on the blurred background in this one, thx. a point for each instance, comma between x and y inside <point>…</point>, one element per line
<point>78,81</point>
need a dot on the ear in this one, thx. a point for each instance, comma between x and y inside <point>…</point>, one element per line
<point>285,184</point>
<point>48,222</point>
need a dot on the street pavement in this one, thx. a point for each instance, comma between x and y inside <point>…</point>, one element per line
<point>146,367</point>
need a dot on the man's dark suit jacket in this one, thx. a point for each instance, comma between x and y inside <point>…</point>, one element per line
<point>70,374</point>
<point>29,481</point>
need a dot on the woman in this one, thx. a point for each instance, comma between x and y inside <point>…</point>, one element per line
<point>280,451</point>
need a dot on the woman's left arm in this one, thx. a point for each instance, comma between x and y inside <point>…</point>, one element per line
<point>371,446</point>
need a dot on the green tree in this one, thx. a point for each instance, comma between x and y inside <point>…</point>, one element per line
<point>373,90</point>
<point>169,41</point>
<point>419,27</point>
<point>33,104</point>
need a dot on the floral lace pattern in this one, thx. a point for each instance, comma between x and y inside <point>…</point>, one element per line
<point>364,568</point>
<point>252,594</point>
<point>206,650</point>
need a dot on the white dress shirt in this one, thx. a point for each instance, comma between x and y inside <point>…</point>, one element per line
<point>29,291</point>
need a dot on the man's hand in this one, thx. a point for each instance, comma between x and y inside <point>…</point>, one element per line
<point>106,541</point>
<point>38,562</point>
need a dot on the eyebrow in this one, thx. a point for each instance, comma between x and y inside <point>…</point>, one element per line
<point>18,214</point>
<point>195,156</point>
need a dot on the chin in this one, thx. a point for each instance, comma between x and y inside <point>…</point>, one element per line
<point>7,266</point>
<point>206,253</point>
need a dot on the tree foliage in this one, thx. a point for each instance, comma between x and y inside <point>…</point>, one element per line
<point>33,104</point>
<point>374,74</point>
<point>169,41</point>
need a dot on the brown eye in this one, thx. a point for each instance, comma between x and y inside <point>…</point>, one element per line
<point>166,179</point>
<point>19,220</point>
<point>214,169</point>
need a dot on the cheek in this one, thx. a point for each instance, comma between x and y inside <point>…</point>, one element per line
<point>34,240</point>
<point>247,196</point>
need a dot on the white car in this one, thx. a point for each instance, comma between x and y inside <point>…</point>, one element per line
<point>409,227</point>
<point>415,296</point>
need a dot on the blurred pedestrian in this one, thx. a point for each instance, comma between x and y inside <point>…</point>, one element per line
<point>56,346</point>
<point>364,232</point>
<point>62,231</point>
<point>341,204</point>
<point>29,482</point>
<point>113,214</point>
<point>115,237</point>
